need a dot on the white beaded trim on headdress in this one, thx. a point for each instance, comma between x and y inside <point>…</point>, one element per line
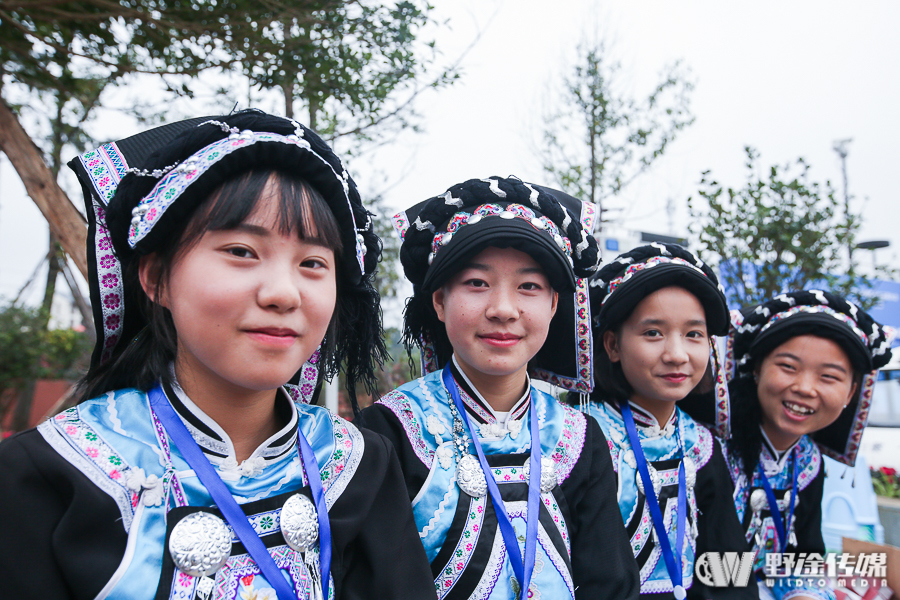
<point>513,211</point>
<point>175,182</point>
<point>636,268</point>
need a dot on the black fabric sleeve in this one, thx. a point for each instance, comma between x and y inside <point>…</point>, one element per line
<point>61,536</point>
<point>381,419</point>
<point>808,512</point>
<point>603,564</point>
<point>718,527</point>
<point>378,553</point>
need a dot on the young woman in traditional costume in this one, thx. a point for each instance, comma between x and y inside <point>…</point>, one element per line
<point>804,364</point>
<point>230,256</point>
<point>656,311</point>
<point>511,490</point>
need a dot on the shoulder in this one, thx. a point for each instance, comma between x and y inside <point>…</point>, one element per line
<point>699,442</point>
<point>809,461</point>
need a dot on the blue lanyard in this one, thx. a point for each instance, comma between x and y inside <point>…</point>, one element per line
<point>522,571</point>
<point>195,459</point>
<point>672,566</point>
<point>780,530</point>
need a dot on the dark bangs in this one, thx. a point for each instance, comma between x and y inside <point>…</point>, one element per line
<point>301,208</point>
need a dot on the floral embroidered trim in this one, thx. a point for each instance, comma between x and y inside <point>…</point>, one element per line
<point>105,167</point>
<point>552,507</point>
<point>341,466</point>
<point>465,547</point>
<point>170,476</point>
<point>241,571</point>
<point>571,443</point>
<point>520,510</point>
<point>491,574</point>
<point>859,422</point>
<point>398,403</point>
<point>401,223</point>
<point>584,382</point>
<point>636,268</point>
<point>83,447</point>
<point>687,563</point>
<point>807,309</point>
<point>173,184</point>
<point>512,211</point>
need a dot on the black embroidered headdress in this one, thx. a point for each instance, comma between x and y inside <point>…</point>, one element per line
<point>758,330</point>
<point>139,190</point>
<point>442,233</point>
<point>620,286</point>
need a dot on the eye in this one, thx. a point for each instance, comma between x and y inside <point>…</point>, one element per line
<point>786,366</point>
<point>697,335</point>
<point>652,333</point>
<point>240,252</point>
<point>314,263</point>
<point>476,283</point>
<point>531,286</point>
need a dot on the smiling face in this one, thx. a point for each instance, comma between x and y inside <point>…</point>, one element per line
<point>497,311</point>
<point>803,385</point>
<point>250,304</point>
<point>663,348</point>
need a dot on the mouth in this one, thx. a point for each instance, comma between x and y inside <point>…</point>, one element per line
<point>501,340</point>
<point>797,410</point>
<point>274,336</point>
<point>675,377</point>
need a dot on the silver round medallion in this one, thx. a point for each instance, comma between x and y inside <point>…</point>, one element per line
<point>548,473</point>
<point>470,477</point>
<point>299,523</point>
<point>679,592</point>
<point>787,500</point>
<point>654,478</point>
<point>690,472</point>
<point>758,500</point>
<point>200,544</point>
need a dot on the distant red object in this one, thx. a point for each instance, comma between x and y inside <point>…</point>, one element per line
<point>47,393</point>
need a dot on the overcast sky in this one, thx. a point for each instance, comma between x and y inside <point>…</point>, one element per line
<point>788,78</point>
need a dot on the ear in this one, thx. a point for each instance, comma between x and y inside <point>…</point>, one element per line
<point>555,304</point>
<point>149,275</point>
<point>611,345</point>
<point>437,300</point>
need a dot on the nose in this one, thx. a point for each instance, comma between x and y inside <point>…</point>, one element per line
<point>279,289</point>
<point>503,306</point>
<point>805,383</point>
<point>675,351</point>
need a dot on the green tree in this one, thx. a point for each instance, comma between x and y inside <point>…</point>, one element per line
<point>600,138</point>
<point>777,233</point>
<point>29,352</point>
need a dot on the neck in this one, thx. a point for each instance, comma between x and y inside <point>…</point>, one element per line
<point>779,440</point>
<point>501,392</point>
<point>661,410</point>
<point>248,416</point>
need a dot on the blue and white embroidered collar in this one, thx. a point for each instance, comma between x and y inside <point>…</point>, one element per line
<point>491,424</point>
<point>647,424</point>
<point>217,445</point>
<point>773,460</point>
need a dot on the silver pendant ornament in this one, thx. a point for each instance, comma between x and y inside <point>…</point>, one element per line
<point>200,544</point>
<point>548,474</point>
<point>469,476</point>
<point>654,478</point>
<point>299,523</point>
<point>758,500</point>
<point>690,472</point>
